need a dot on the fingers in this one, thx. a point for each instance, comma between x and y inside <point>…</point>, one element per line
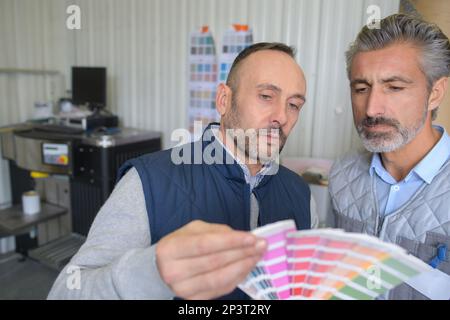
<point>216,283</point>
<point>203,260</point>
<point>204,244</point>
<point>198,226</point>
<point>191,267</point>
<point>186,246</point>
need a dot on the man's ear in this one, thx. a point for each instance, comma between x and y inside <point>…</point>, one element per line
<point>223,99</point>
<point>437,93</point>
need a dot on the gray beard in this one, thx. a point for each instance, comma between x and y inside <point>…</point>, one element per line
<point>380,142</point>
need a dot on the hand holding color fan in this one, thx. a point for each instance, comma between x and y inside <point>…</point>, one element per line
<point>326,264</point>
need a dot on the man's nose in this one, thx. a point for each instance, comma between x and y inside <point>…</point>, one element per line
<point>280,114</point>
<point>375,103</point>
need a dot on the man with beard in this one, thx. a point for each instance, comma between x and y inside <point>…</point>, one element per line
<point>400,191</point>
<point>181,229</point>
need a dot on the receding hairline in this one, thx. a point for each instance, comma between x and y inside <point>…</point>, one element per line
<point>233,79</point>
<point>233,74</point>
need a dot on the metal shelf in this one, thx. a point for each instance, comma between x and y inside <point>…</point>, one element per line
<point>14,222</point>
<point>56,254</point>
<point>29,71</point>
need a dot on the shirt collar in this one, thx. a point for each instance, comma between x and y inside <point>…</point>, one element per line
<point>427,168</point>
<point>377,166</point>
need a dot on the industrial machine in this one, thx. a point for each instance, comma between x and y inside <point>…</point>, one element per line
<point>90,159</point>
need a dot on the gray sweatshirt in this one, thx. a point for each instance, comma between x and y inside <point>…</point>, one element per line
<point>117,261</point>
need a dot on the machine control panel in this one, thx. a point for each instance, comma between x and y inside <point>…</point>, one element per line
<point>55,154</point>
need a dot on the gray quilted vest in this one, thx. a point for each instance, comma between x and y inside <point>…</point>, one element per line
<point>419,226</point>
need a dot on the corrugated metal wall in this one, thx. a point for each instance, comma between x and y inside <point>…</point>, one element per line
<point>144,45</point>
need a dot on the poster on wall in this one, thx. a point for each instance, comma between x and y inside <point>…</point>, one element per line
<point>235,39</point>
<point>202,80</point>
<point>205,72</point>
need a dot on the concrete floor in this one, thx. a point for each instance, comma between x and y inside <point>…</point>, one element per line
<point>24,279</point>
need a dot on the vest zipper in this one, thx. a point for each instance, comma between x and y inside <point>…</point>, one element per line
<point>258,222</point>
<point>379,217</point>
<point>380,225</point>
<point>248,204</point>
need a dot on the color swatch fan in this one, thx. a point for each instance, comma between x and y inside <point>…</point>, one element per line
<point>327,264</point>
<point>269,280</point>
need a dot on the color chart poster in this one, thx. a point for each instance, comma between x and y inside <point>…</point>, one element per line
<point>236,39</point>
<point>202,79</point>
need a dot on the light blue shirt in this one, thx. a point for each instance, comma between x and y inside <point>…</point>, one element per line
<point>392,194</point>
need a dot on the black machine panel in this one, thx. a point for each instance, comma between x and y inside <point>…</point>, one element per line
<point>95,174</point>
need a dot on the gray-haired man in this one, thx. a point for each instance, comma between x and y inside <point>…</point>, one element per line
<point>400,190</point>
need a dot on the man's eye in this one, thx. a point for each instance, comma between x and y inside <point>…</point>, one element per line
<point>295,106</point>
<point>394,88</point>
<point>361,90</point>
<point>265,96</point>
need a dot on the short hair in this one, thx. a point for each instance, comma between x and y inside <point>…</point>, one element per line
<point>404,28</point>
<point>232,79</point>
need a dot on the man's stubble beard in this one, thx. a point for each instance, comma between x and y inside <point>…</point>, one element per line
<point>250,146</point>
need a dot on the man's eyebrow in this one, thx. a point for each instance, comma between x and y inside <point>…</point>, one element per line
<point>396,78</point>
<point>299,96</point>
<point>359,81</point>
<point>268,86</point>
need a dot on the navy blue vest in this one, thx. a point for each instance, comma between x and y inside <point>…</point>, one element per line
<point>176,194</point>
